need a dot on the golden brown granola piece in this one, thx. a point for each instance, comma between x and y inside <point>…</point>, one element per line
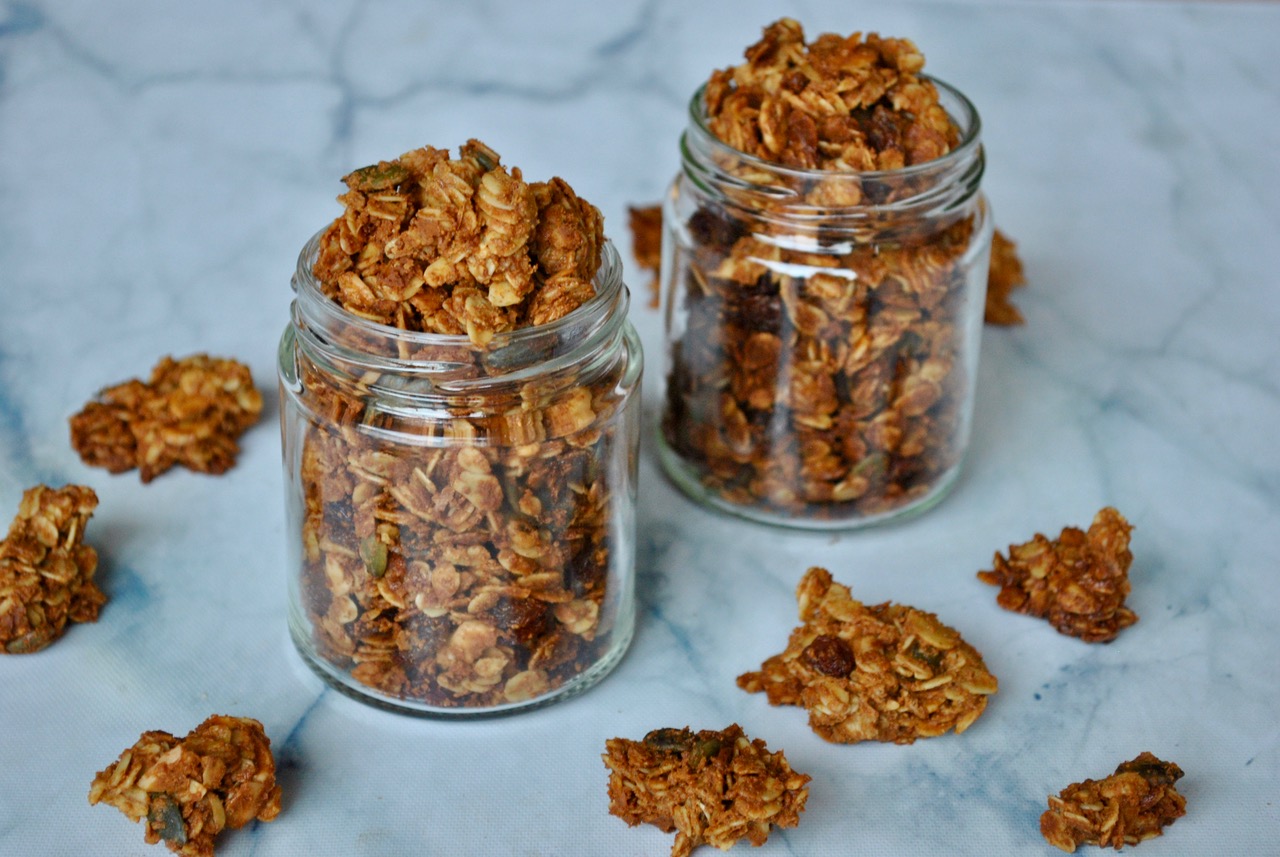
<point>1131,805</point>
<point>1077,582</point>
<point>190,412</point>
<point>1004,275</point>
<point>646,243</point>
<point>221,775</point>
<point>452,246</point>
<point>46,572</point>
<point>711,787</point>
<point>841,103</point>
<point>883,673</point>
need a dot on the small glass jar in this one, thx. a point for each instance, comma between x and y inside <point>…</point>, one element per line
<point>822,329</point>
<point>460,519</point>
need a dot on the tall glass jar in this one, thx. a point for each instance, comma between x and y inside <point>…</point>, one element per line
<point>822,329</point>
<point>461,519</point>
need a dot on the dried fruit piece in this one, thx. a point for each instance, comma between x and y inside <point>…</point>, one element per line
<point>191,412</point>
<point>1077,582</point>
<point>1004,275</point>
<point>46,571</point>
<point>711,787</point>
<point>1133,804</point>
<point>221,775</point>
<point>883,673</point>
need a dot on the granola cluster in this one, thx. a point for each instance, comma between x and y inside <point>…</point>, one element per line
<point>884,673</point>
<point>1078,582</point>
<point>459,245</point>
<point>645,223</point>
<point>460,555</point>
<point>848,104</point>
<point>191,412</point>
<point>819,366</point>
<point>221,775</point>
<point>1003,276</point>
<point>46,571</point>
<point>711,787</point>
<point>1133,804</point>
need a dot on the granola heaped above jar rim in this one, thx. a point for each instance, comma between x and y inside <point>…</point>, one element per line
<point>459,246</point>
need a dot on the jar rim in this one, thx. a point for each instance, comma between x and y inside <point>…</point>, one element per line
<point>969,123</point>
<point>608,283</point>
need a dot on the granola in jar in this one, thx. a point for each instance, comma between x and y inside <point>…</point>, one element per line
<point>830,246</point>
<point>460,439</point>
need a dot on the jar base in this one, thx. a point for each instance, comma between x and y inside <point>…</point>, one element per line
<point>682,476</point>
<point>344,684</point>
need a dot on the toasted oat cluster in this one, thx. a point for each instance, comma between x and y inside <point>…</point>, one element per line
<point>711,787</point>
<point>1133,804</point>
<point>46,571</point>
<point>844,103</point>
<point>818,375</point>
<point>882,673</point>
<point>1078,582</point>
<point>459,245</point>
<point>645,222</point>
<point>191,412</point>
<point>221,775</point>
<point>1004,275</point>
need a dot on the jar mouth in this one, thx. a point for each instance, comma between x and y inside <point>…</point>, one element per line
<point>749,179</point>
<point>957,105</point>
<point>419,365</point>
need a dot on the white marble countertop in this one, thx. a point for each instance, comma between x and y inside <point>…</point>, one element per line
<point>162,164</point>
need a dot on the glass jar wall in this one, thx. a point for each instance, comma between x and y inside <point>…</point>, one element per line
<point>822,329</point>
<point>461,519</point>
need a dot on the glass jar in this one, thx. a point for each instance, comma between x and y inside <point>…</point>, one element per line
<point>822,329</point>
<point>460,518</point>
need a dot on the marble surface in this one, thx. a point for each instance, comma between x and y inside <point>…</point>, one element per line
<point>161,165</point>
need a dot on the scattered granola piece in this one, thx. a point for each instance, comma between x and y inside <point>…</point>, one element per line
<point>711,787</point>
<point>46,572</point>
<point>1131,805</point>
<point>1077,582</point>
<point>191,413</point>
<point>1004,275</point>
<point>883,673</point>
<point>221,775</point>
<point>459,245</point>
<point>646,243</point>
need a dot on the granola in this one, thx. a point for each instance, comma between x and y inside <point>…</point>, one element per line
<point>46,571</point>
<point>221,775</point>
<point>711,787</point>
<point>191,412</point>
<point>1078,582</point>
<point>1004,275</point>
<point>646,243</point>
<point>819,365</point>
<point>1133,804</point>
<point>885,673</point>
<point>461,245</point>
<point>459,555</point>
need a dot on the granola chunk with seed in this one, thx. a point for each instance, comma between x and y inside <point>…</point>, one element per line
<point>711,787</point>
<point>882,673</point>
<point>461,245</point>
<point>221,775</point>
<point>191,412</point>
<point>1004,275</point>
<point>1078,582</point>
<point>46,571</point>
<point>1133,804</point>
